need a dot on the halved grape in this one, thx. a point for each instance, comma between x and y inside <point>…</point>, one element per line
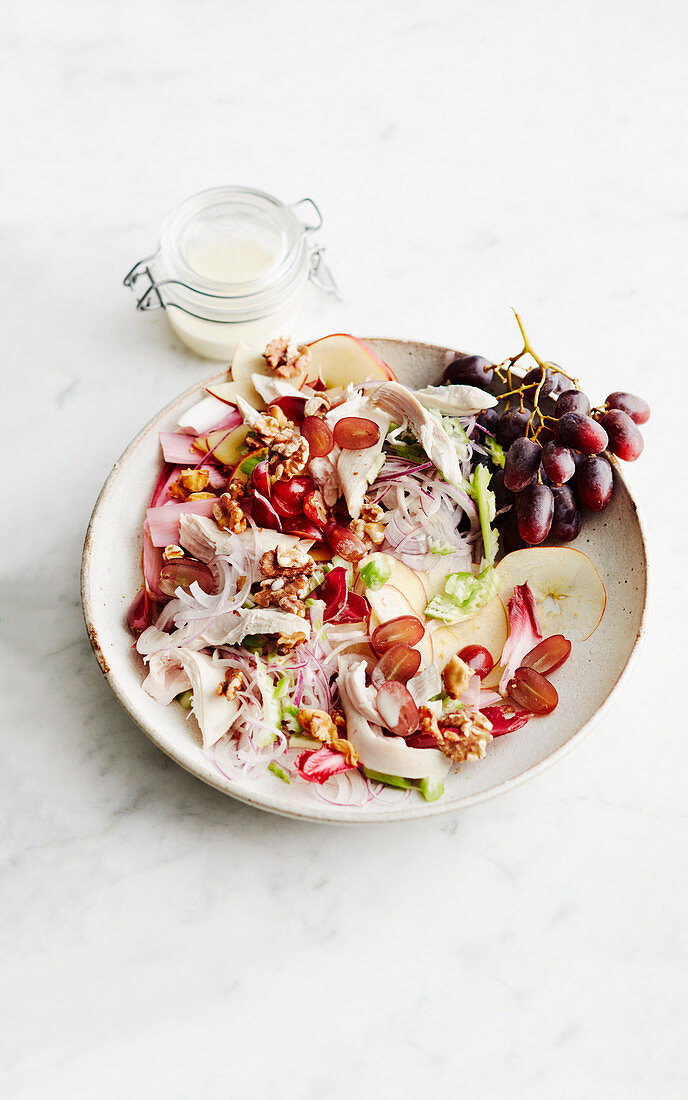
<point>557,462</point>
<point>548,655</point>
<point>522,464</point>
<point>344,542</point>
<point>595,483</point>
<point>511,425</point>
<point>582,432</point>
<point>319,435</point>
<point>356,433</point>
<point>478,659</point>
<point>397,709</point>
<point>625,440</point>
<point>398,663</point>
<point>567,520</point>
<point>572,401</point>
<point>182,572</point>
<point>532,691</point>
<point>406,628</point>
<point>292,407</point>
<point>469,370</point>
<point>631,404</point>
<point>535,511</point>
<point>287,497</point>
<point>314,508</point>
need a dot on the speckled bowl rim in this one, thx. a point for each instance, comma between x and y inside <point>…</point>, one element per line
<point>322,814</point>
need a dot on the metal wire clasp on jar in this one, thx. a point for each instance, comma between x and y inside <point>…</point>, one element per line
<point>232,264</point>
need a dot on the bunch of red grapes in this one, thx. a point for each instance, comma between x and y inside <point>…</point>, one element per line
<point>555,465</point>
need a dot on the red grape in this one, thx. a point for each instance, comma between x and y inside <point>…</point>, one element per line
<point>511,425</point>
<point>319,436</point>
<point>567,520</point>
<point>287,497</point>
<point>397,709</point>
<point>631,404</point>
<point>292,407</point>
<point>535,511</point>
<point>558,463</point>
<point>469,370</point>
<point>344,542</point>
<point>553,384</point>
<point>314,508</point>
<point>522,464</point>
<point>304,528</point>
<point>625,440</point>
<point>488,420</point>
<point>260,479</point>
<point>356,433</point>
<point>398,663</point>
<point>572,401</point>
<point>503,497</point>
<point>478,659</point>
<point>582,433</point>
<point>182,572</point>
<point>532,691</point>
<point>595,483</point>
<point>548,655</point>
<point>406,628</point>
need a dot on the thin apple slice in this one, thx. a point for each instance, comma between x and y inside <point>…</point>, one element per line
<point>570,597</point>
<point>226,446</point>
<point>342,360</point>
<point>402,577</point>
<point>389,603</point>
<point>489,628</point>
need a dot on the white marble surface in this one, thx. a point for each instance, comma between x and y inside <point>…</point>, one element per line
<point>158,940</point>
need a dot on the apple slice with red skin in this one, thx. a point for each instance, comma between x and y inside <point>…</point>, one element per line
<point>342,360</point>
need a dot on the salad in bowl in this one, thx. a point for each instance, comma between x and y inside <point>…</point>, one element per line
<point>355,584</point>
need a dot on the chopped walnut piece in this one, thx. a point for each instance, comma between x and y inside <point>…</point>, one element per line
<point>464,734</point>
<point>172,553</point>
<point>288,459</point>
<point>287,642</point>
<point>201,496</point>
<point>456,677</point>
<point>189,481</point>
<point>287,563</point>
<point>228,515</point>
<point>232,683</point>
<point>428,722</point>
<point>272,429</point>
<point>324,727</point>
<point>287,595</point>
<point>285,359</point>
<point>373,534</point>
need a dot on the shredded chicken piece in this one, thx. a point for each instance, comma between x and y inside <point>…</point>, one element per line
<point>287,642</point>
<point>228,515</point>
<point>172,553</point>
<point>326,728</point>
<point>189,481</point>
<point>464,734</point>
<point>232,683</point>
<point>285,359</point>
<point>286,562</point>
<point>456,677</point>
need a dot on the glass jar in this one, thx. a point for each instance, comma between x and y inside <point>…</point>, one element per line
<point>232,265</point>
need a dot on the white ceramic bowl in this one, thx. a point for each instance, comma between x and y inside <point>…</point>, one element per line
<point>111,576</point>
